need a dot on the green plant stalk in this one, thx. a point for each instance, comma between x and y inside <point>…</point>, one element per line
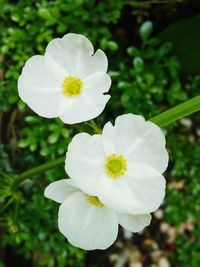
<point>177,112</point>
<point>161,120</point>
<point>6,205</point>
<point>37,170</point>
<point>94,126</point>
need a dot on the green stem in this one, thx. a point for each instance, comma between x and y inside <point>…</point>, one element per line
<point>152,2</point>
<point>38,169</point>
<point>161,120</point>
<point>177,112</point>
<point>6,205</point>
<point>94,126</point>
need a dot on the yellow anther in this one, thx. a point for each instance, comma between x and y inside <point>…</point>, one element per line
<point>115,166</point>
<point>95,201</point>
<point>72,86</point>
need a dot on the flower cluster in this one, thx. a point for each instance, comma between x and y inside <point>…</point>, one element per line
<point>115,177</point>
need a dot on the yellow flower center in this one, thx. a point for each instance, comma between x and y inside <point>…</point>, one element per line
<point>115,166</point>
<point>95,201</point>
<point>72,86</point>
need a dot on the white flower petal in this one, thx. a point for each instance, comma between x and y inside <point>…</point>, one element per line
<point>118,138</point>
<point>85,160</point>
<point>108,139</point>
<point>86,226</point>
<point>134,223</point>
<point>138,140</point>
<point>82,108</point>
<point>98,62</point>
<point>68,55</point>
<point>60,190</point>
<point>98,82</point>
<point>39,89</point>
<point>140,191</point>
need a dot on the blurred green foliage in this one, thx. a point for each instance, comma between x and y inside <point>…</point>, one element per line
<point>185,36</point>
<point>146,80</point>
<point>27,27</point>
<point>39,136</point>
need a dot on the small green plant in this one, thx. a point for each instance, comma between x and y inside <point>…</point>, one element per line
<point>50,139</point>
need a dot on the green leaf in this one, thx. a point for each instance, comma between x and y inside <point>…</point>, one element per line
<point>53,138</point>
<point>138,64</point>
<point>177,112</point>
<point>133,52</point>
<point>146,30</point>
<point>24,143</point>
<point>31,119</point>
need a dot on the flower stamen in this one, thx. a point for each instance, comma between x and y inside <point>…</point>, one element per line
<point>95,201</point>
<point>72,86</point>
<point>115,166</point>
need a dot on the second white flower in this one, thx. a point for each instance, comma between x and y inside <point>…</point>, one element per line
<point>123,166</point>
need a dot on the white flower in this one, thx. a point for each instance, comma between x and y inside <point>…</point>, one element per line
<point>85,221</point>
<point>123,166</point>
<point>69,81</point>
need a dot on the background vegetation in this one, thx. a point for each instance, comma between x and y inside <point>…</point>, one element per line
<point>151,71</point>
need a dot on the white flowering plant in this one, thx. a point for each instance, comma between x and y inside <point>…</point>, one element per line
<point>115,176</point>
